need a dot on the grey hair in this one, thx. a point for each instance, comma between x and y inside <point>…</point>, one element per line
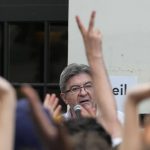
<point>70,71</point>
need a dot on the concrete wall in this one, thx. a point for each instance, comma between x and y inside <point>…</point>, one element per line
<point>125,25</point>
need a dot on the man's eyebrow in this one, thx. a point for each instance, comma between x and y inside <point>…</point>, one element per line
<point>87,82</point>
<point>74,85</point>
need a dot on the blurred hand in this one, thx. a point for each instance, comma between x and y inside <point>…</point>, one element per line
<point>7,94</point>
<point>53,136</point>
<point>139,93</point>
<point>51,103</point>
<point>92,37</point>
<point>88,111</point>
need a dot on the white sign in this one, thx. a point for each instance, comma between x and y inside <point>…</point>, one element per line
<point>120,86</point>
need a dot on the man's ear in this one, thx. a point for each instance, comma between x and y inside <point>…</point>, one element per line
<point>63,96</point>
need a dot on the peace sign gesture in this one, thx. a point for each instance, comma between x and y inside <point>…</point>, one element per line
<point>92,37</point>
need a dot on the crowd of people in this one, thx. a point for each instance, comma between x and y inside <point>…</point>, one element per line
<point>92,121</point>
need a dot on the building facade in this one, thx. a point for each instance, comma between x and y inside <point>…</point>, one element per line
<point>34,42</point>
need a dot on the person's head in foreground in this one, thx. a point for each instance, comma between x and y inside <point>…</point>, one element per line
<point>87,134</point>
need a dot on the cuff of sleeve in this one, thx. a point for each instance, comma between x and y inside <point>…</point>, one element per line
<point>116,141</point>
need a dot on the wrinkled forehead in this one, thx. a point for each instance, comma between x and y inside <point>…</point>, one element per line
<point>79,79</point>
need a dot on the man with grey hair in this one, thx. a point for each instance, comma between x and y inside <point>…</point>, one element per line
<point>71,70</point>
<point>77,89</point>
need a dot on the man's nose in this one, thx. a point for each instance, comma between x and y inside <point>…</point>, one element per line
<point>83,91</point>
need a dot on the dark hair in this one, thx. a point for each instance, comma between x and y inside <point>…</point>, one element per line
<point>87,131</point>
<point>70,71</point>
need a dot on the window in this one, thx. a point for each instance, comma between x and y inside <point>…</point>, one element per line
<point>1,49</point>
<point>26,47</point>
<point>34,44</point>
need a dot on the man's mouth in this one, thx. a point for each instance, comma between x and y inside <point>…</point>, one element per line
<point>84,101</point>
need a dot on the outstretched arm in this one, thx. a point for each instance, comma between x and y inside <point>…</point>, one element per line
<point>106,102</point>
<point>52,136</point>
<point>7,115</point>
<point>131,132</point>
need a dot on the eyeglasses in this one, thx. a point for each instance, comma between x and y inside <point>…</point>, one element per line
<point>75,89</point>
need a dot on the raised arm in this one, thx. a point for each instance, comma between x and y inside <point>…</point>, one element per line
<point>52,136</point>
<point>131,132</point>
<point>7,115</point>
<point>93,48</point>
